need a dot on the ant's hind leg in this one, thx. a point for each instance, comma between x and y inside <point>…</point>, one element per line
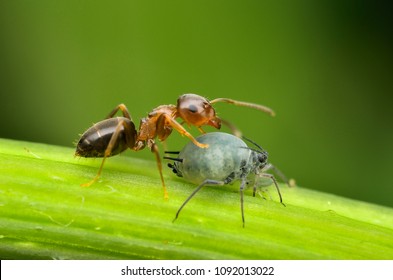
<point>108,151</point>
<point>95,179</point>
<point>123,109</point>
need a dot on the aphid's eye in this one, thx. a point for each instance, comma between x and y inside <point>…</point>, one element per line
<point>262,158</point>
<point>192,108</point>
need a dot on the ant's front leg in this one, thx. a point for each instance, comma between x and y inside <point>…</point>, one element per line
<point>167,120</point>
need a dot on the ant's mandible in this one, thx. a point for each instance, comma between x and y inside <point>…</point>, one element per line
<point>114,135</point>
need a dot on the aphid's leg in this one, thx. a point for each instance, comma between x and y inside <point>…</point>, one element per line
<point>270,176</point>
<point>260,192</point>
<point>174,124</point>
<point>279,173</point>
<point>245,104</point>
<point>153,147</point>
<point>123,109</point>
<point>264,194</point>
<point>254,188</point>
<point>242,186</point>
<point>235,131</point>
<point>206,182</point>
<point>109,148</point>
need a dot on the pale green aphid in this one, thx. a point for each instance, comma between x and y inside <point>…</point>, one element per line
<point>227,159</point>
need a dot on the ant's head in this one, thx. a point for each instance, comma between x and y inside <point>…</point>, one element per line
<point>197,110</point>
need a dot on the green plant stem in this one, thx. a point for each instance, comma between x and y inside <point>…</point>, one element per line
<point>46,214</point>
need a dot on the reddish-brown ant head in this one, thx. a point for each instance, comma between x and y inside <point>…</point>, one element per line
<point>197,110</point>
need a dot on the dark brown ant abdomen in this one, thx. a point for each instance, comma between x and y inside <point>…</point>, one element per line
<point>95,141</point>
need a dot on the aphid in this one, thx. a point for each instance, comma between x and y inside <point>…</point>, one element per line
<point>114,135</point>
<point>227,159</point>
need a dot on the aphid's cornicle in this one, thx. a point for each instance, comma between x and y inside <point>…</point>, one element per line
<point>114,135</point>
<point>227,159</point>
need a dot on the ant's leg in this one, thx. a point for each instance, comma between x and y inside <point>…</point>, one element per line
<point>109,148</point>
<point>245,104</point>
<point>88,184</point>
<point>206,182</point>
<point>153,147</point>
<point>174,124</point>
<point>201,130</point>
<point>123,109</point>
<point>162,130</point>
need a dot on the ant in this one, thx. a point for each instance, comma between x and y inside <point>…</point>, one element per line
<point>114,135</point>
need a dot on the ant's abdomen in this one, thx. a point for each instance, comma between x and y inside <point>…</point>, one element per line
<point>95,140</point>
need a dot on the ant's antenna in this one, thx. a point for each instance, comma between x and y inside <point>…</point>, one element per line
<point>245,104</point>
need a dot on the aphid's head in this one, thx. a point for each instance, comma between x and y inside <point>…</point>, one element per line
<point>259,155</point>
<point>258,159</point>
<point>197,110</point>
<point>261,158</point>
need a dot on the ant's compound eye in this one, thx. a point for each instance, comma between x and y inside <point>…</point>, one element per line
<point>196,110</point>
<point>192,108</point>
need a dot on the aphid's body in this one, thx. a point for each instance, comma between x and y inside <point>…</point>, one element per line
<point>227,159</point>
<point>114,135</point>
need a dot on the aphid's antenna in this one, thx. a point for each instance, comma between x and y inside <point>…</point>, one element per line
<point>254,150</point>
<point>175,159</point>
<point>255,144</point>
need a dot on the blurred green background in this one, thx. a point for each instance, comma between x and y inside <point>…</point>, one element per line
<point>325,67</point>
